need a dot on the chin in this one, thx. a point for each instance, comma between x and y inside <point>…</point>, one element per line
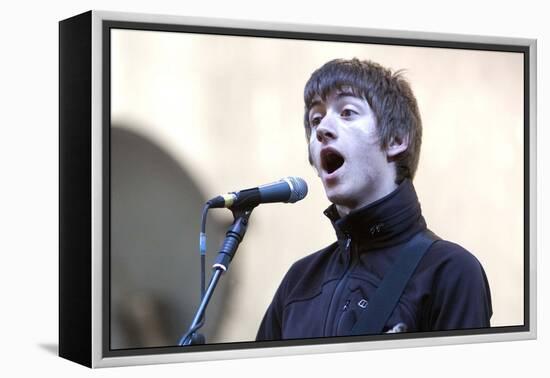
<point>339,197</point>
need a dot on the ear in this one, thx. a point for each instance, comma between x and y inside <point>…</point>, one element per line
<point>397,145</point>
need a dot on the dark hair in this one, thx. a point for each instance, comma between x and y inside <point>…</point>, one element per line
<point>389,96</point>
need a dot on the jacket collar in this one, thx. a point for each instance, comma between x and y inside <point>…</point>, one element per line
<point>388,221</point>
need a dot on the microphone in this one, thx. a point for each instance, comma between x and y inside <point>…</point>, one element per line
<point>288,190</point>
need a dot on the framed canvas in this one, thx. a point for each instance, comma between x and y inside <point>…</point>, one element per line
<point>159,114</point>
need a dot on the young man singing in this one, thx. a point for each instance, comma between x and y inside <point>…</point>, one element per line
<point>364,133</point>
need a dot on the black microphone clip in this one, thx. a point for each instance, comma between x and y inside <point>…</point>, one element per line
<point>247,200</point>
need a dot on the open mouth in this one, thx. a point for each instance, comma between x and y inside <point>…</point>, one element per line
<point>331,160</point>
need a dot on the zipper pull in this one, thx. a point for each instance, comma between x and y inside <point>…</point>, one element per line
<point>348,243</point>
<point>346,306</point>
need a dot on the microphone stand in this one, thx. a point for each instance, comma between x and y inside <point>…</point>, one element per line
<point>233,238</point>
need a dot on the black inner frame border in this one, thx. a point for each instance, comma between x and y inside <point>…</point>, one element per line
<point>108,25</point>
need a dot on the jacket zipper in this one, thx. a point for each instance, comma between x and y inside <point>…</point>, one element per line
<point>333,309</point>
<point>341,315</point>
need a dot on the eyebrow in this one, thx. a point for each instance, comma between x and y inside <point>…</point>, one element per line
<point>338,97</point>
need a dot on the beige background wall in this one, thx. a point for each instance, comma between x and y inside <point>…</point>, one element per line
<point>229,110</point>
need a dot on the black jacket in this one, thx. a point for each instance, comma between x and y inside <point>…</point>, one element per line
<point>324,293</point>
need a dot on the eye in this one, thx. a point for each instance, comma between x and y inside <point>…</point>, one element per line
<point>315,120</point>
<point>348,112</point>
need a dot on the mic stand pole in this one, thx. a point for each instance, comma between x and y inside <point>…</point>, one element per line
<point>233,237</point>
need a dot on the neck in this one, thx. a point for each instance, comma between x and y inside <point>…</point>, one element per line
<point>368,198</point>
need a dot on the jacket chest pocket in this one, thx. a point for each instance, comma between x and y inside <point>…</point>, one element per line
<point>354,304</point>
<point>356,301</point>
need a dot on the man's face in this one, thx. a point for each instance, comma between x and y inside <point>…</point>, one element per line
<point>345,150</point>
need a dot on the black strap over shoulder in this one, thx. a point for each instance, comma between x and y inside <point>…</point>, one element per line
<point>384,300</point>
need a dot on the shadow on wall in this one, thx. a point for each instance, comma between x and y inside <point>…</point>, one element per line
<point>155,224</point>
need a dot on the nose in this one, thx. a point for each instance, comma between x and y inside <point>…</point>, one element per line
<point>326,130</point>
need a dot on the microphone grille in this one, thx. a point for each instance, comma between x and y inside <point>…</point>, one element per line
<point>299,189</point>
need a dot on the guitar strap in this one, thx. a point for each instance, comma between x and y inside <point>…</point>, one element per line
<point>380,307</point>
